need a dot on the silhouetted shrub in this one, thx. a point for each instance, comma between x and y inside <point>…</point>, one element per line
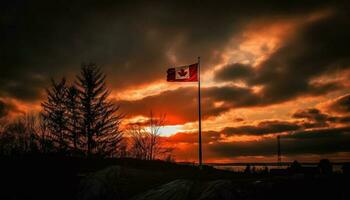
<point>295,167</point>
<point>325,166</point>
<point>247,169</point>
<point>346,168</point>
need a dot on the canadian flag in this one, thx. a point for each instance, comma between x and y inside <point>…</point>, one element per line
<point>187,73</point>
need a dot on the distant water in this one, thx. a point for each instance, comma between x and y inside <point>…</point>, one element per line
<point>241,168</point>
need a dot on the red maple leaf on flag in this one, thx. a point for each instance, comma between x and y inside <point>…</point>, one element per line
<point>182,72</point>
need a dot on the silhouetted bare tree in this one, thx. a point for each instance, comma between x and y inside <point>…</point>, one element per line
<point>20,136</point>
<point>139,142</point>
<point>31,125</point>
<point>146,139</point>
<point>55,113</point>
<point>154,126</point>
<point>325,166</point>
<point>100,121</point>
<point>46,144</point>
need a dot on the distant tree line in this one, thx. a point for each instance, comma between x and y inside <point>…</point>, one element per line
<point>22,136</point>
<point>79,119</point>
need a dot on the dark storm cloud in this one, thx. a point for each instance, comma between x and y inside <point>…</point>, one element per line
<point>315,118</point>
<point>317,49</point>
<point>182,102</point>
<point>263,128</point>
<point>341,105</point>
<point>322,141</point>
<point>6,108</point>
<point>326,141</point>
<point>232,96</point>
<point>320,133</point>
<point>131,41</point>
<point>180,105</point>
<point>3,109</point>
<point>235,71</point>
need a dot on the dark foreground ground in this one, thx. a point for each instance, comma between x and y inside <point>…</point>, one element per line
<point>52,177</point>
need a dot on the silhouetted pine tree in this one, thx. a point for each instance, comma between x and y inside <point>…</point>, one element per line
<point>55,113</point>
<point>100,123</point>
<point>73,113</point>
<point>46,144</point>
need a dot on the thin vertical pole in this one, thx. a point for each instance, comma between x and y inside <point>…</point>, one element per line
<point>199,115</point>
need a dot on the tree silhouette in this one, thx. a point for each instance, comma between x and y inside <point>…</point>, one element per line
<point>247,169</point>
<point>100,123</point>
<point>140,141</point>
<point>46,144</point>
<point>325,166</point>
<point>20,136</point>
<point>54,113</point>
<point>295,167</point>
<point>73,114</point>
<point>78,117</point>
<point>146,139</point>
<point>155,124</point>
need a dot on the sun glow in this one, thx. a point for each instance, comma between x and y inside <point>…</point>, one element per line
<point>170,130</point>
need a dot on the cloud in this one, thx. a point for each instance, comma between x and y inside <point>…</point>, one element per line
<point>178,105</point>
<point>234,72</point>
<point>315,118</point>
<point>341,104</point>
<point>6,107</point>
<point>134,42</point>
<point>319,133</point>
<point>181,104</point>
<point>192,137</point>
<point>327,141</point>
<point>302,142</point>
<point>263,128</point>
<point>3,109</point>
<point>294,69</point>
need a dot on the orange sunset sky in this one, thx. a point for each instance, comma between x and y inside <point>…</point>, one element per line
<point>268,68</point>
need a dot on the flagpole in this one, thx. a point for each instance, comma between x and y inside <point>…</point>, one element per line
<point>199,115</point>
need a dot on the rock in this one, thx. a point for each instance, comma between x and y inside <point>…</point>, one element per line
<point>101,185</point>
<point>190,190</point>
<point>117,183</point>
<point>175,190</point>
<point>220,189</point>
